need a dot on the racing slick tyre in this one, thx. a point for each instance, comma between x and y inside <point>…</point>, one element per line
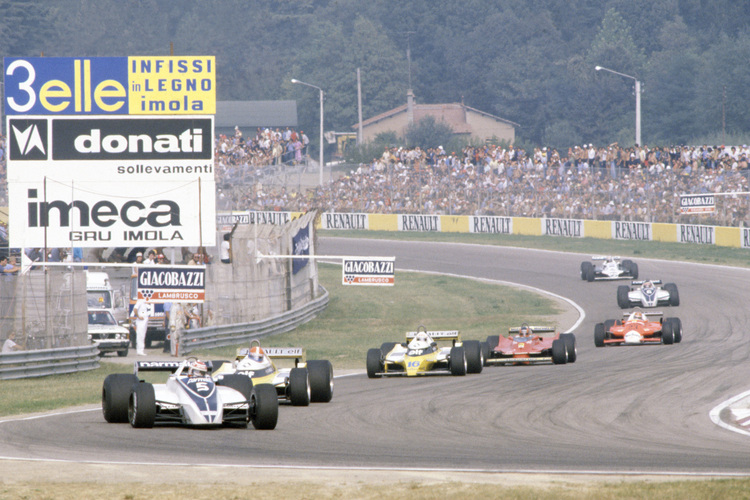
<point>240,383</point>
<point>299,387</point>
<point>585,269</point>
<point>667,332</point>
<point>570,345</point>
<point>634,270</point>
<point>474,356</point>
<point>387,347</point>
<point>559,352</point>
<point>486,352</point>
<point>599,334</point>
<point>374,363</point>
<point>216,365</point>
<point>676,329</point>
<point>607,325</point>
<point>115,396</point>
<point>493,341</point>
<point>622,296</point>
<point>458,361</point>
<point>321,380</point>
<point>264,407</point>
<point>142,406</point>
<point>123,353</point>
<point>674,295</point>
<point>590,274</point>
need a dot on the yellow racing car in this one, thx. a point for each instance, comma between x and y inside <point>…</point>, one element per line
<point>301,384</point>
<point>421,355</point>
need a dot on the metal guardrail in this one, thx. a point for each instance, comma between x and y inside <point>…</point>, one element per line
<point>45,362</point>
<point>224,335</point>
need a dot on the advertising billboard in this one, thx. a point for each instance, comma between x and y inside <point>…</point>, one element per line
<point>136,85</point>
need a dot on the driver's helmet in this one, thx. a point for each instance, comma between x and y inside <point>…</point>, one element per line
<point>525,331</point>
<point>256,354</point>
<point>420,341</point>
<point>638,315</point>
<point>648,285</point>
<point>198,369</point>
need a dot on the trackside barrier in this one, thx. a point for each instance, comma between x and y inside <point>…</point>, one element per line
<point>224,335</point>
<point>45,362</point>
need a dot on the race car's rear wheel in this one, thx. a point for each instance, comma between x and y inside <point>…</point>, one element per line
<point>240,383</point>
<point>321,380</point>
<point>299,387</point>
<point>559,352</point>
<point>264,407</point>
<point>622,296</point>
<point>474,356</point>
<point>634,270</point>
<point>115,396</point>
<point>492,342</point>
<point>674,295</point>
<point>458,361</point>
<point>570,345</point>
<point>667,332</point>
<point>142,406</point>
<point>374,363</point>
<point>585,266</point>
<point>676,329</point>
<point>599,334</point>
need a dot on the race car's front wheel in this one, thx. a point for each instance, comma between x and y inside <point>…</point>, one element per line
<point>559,352</point>
<point>142,407</point>
<point>374,363</point>
<point>674,295</point>
<point>585,266</point>
<point>622,296</point>
<point>667,332</point>
<point>570,346</point>
<point>299,387</point>
<point>474,356</point>
<point>115,396</point>
<point>264,407</point>
<point>240,383</point>
<point>676,329</point>
<point>458,361</point>
<point>321,380</point>
<point>590,274</point>
<point>599,334</point>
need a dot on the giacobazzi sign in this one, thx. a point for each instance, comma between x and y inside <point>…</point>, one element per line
<point>172,284</point>
<point>373,271</point>
<point>697,203</point>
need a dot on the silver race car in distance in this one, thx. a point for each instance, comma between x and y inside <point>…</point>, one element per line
<point>646,293</point>
<point>189,397</point>
<point>608,268</point>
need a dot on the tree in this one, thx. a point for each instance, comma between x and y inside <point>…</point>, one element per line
<point>427,133</point>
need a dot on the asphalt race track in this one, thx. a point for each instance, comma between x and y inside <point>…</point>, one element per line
<point>622,410</point>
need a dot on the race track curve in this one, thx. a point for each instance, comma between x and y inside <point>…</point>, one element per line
<point>622,410</point>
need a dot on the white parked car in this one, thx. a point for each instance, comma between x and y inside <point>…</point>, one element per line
<point>106,334</point>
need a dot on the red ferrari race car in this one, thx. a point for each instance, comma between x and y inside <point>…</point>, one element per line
<point>636,329</point>
<point>526,345</point>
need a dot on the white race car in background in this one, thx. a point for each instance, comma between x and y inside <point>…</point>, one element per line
<point>302,383</point>
<point>608,268</point>
<point>645,293</point>
<point>190,397</point>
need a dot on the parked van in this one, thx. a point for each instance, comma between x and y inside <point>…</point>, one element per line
<point>101,295</point>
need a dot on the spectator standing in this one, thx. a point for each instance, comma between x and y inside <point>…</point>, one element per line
<point>141,314</point>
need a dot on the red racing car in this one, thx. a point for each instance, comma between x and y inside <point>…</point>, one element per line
<point>525,345</point>
<point>637,329</point>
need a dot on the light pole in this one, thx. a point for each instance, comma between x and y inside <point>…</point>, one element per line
<point>294,80</point>
<point>637,102</point>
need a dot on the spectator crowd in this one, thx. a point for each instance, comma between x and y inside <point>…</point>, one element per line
<point>582,182</point>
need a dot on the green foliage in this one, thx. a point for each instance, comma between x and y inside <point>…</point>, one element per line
<point>428,133</point>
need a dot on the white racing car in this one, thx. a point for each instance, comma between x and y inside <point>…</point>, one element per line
<point>190,397</point>
<point>608,268</point>
<point>646,294</point>
<point>305,382</point>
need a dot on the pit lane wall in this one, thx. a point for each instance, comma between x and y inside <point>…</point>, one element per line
<point>572,228</point>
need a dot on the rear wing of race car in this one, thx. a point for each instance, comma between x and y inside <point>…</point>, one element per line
<point>534,329</point>
<point>438,335</point>
<point>295,353</point>
<point>162,366</point>
<point>605,257</point>
<point>640,282</point>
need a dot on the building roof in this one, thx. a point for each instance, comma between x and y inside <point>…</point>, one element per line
<point>452,114</point>
<point>255,114</point>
